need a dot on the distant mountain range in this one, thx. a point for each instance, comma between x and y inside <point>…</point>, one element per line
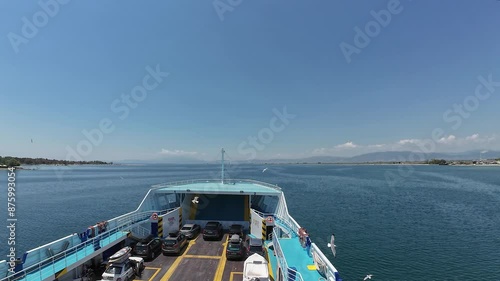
<point>392,156</point>
<point>387,156</point>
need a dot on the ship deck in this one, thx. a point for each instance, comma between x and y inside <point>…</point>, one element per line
<point>206,261</point>
<point>200,261</point>
<point>296,257</point>
<point>210,187</point>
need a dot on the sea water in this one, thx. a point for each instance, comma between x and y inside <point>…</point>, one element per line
<point>433,223</point>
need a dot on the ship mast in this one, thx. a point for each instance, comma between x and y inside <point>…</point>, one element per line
<point>222,173</point>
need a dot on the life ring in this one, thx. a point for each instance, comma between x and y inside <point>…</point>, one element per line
<point>154,216</point>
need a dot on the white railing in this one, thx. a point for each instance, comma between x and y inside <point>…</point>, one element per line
<point>87,247</point>
<point>228,181</point>
<point>133,218</point>
<point>283,218</point>
<point>282,260</point>
<point>140,231</point>
<point>330,269</point>
<point>124,223</point>
<point>263,215</point>
<point>282,213</point>
<point>288,224</point>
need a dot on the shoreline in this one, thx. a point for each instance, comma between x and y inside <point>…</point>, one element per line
<point>29,167</point>
<point>34,167</point>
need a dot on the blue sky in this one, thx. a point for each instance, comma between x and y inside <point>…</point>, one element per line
<point>231,68</point>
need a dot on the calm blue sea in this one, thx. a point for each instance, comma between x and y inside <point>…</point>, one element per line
<point>436,223</point>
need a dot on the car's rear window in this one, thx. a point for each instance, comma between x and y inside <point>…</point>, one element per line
<point>170,242</point>
<point>114,270</point>
<point>256,248</point>
<point>186,228</point>
<point>141,247</point>
<point>234,247</point>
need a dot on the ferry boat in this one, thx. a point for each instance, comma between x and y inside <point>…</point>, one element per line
<point>259,207</point>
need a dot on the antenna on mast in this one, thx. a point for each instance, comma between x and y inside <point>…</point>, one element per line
<point>222,173</point>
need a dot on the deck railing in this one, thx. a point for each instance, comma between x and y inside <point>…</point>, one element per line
<point>283,219</point>
<point>227,181</point>
<point>123,224</point>
<point>284,222</point>
<point>140,231</point>
<point>87,247</point>
<point>330,269</point>
<point>287,271</point>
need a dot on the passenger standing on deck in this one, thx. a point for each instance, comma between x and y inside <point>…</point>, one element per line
<point>308,245</point>
<point>302,236</point>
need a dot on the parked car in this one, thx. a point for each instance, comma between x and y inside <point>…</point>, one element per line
<point>236,248</point>
<point>148,249</point>
<point>174,243</point>
<point>125,270</point>
<point>255,246</point>
<point>190,230</point>
<point>237,229</point>
<point>213,230</point>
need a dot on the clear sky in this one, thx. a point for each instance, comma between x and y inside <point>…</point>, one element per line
<point>351,79</point>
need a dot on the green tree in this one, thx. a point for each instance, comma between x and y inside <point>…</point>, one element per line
<point>10,161</point>
<point>13,162</point>
<point>438,162</point>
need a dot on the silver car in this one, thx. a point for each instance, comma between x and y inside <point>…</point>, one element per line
<point>174,243</point>
<point>190,230</point>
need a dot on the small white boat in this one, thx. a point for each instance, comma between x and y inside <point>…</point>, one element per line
<point>120,256</point>
<point>255,268</point>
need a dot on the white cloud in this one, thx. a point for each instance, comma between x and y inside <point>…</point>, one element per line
<point>348,144</point>
<point>478,139</point>
<point>449,143</point>
<point>348,149</point>
<point>447,140</point>
<point>178,152</point>
<point>472,137</point>
<point>320,151</point>
<point>408,141</point>
<point>375,145</point>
